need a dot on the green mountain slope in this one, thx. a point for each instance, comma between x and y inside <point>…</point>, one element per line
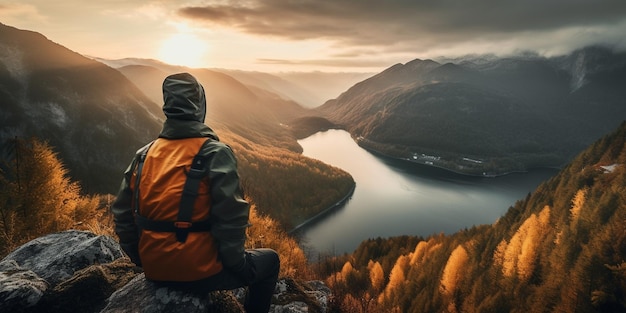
<point>507,113</point>
<point>83,108</point>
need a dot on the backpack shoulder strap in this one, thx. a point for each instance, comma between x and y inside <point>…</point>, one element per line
<point>140,158</point>
<point>190,192</point>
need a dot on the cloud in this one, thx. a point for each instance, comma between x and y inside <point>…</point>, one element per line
<point>410,25</point>
<point>19,12</point>
<point>360,34</point>
<point>150,11</point>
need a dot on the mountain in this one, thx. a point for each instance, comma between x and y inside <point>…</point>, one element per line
<point>95,117</point>
<point>308,89</point>
<point>561,249</point>
<point>248,111</point>
<point>286,89</point>
<point>257,124</point>
<point>487,115</point>
<point>90,112</point>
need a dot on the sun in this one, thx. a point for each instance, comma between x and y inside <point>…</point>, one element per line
<point>183,49</point>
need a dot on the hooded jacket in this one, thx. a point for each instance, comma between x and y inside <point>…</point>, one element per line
<point>220,198</point>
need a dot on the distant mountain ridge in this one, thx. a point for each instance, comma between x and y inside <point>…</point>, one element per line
<point>507,113</point>
<point>248,111</point>
<point>308,89</point>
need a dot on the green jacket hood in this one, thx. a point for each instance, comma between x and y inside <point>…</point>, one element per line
<point>183,98</point>
<point>184,105</point>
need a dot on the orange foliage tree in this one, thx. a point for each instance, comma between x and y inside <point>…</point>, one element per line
<point>37,195</point>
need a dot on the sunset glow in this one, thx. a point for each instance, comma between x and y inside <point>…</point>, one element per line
<point>184,49</point>
<point>309,36</point>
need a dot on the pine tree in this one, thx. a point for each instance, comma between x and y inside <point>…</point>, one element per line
<point>453,272</point>
<point>377,276</point>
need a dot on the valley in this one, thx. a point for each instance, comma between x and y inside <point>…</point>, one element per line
<point>482,238</point>
<point>512,114</point>
<point>396,197</point>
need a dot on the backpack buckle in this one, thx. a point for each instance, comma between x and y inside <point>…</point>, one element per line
<point>182,225</point>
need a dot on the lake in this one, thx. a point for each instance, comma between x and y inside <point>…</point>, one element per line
<point>394,197</point>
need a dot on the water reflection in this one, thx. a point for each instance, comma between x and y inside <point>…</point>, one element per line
<point>395,198</point>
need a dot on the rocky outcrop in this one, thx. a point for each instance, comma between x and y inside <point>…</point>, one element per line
<point>19,287</point>
<point>43,267</point>
<point>140,295</point>
<point>77,271</point>
<point>88,289</point>
<point>56,257</point>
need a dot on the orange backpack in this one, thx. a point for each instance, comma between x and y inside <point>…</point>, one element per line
<point>175,242</point>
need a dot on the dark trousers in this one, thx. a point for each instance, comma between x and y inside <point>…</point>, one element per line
<point>260,288</point>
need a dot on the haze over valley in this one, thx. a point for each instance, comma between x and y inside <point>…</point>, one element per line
<point>74,119</point>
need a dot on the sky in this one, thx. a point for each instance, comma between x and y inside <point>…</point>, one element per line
<point>318,35</point>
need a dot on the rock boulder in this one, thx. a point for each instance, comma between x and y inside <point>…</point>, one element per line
<point>77,271</point>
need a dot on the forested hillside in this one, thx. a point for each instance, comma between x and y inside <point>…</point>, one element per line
<point>285,185</point>
<point>487,115</point>
<point>561,249</point>
<point>93,116</point>
<point>38,198</point>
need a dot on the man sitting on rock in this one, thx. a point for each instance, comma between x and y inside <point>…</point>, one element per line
<point>180,212</point>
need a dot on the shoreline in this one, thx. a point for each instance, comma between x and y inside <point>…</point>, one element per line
<point>324,212</point>
<point>347,197</point>
<point>380,153</point>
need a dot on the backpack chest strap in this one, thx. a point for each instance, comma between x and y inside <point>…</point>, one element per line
<point>171,227</point>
